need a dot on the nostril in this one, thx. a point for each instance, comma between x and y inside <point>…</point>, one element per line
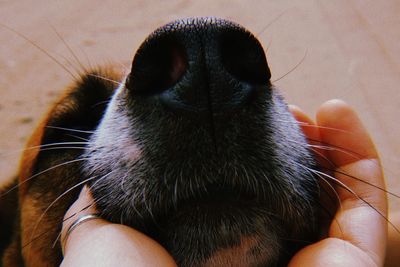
<point>243,57</point>
<point>159,64</point>
<point>202,65</point>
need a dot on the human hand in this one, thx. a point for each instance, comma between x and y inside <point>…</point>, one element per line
<point>357,235</point>
<point>99,243</point>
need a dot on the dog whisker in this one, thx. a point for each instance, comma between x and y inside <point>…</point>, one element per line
<point>365,182</point>
<point>124,180</point>
<point>328,146</point>
<point>101,103</point>
<point>146,203</point>
<point>336,149</point>
<point>33,237</point>
<point>259,33</point>
<point>17,151</point>
<point>44,51</point>
<point>99,180</point>
<point>78,137</point>
<point>105,78</point>
<point>344,186</point>
<point>40,173</point>
<point>69,48</point>
<point>68,218</point>
<point>336,169</point>
<point>63,147</point>
<point>68,129</point>
<point>292,69</point>
<point>306,124</point>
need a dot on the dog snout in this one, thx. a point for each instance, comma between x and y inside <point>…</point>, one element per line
<point>199,65</point>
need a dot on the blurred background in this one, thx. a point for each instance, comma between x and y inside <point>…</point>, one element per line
<point>317,50</point>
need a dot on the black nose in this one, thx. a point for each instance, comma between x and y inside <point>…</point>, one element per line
<point>199,65</point>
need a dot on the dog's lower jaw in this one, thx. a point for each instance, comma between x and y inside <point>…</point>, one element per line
<point>141,183</point>
<point>250,252</point>
<point>224,236</point>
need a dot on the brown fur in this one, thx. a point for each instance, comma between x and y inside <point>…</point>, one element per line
<point>33,233</point>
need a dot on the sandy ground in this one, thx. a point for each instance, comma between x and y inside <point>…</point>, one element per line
<point>351,49</point>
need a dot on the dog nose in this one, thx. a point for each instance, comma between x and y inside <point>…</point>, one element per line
<point>199,65</point>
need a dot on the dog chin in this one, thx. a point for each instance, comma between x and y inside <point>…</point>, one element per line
<point>226,234</point>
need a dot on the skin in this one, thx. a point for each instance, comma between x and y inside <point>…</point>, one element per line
<point>115,244</point>
<point>356,237</point>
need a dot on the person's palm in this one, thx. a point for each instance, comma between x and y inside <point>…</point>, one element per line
<point>357,234</point>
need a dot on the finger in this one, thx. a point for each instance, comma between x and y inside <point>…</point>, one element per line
<point>332,252</point>
<point>306,123</point>
<point>340,125</point>
<point>311,131</point>
<point>358,160</point>
<point>84,205</point>
<point>328,198</point>
<point>361,219</point>
<point>101,243</point>
<point>106,244</point>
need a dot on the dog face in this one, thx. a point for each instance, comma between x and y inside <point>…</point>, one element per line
<point>195,148</point>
